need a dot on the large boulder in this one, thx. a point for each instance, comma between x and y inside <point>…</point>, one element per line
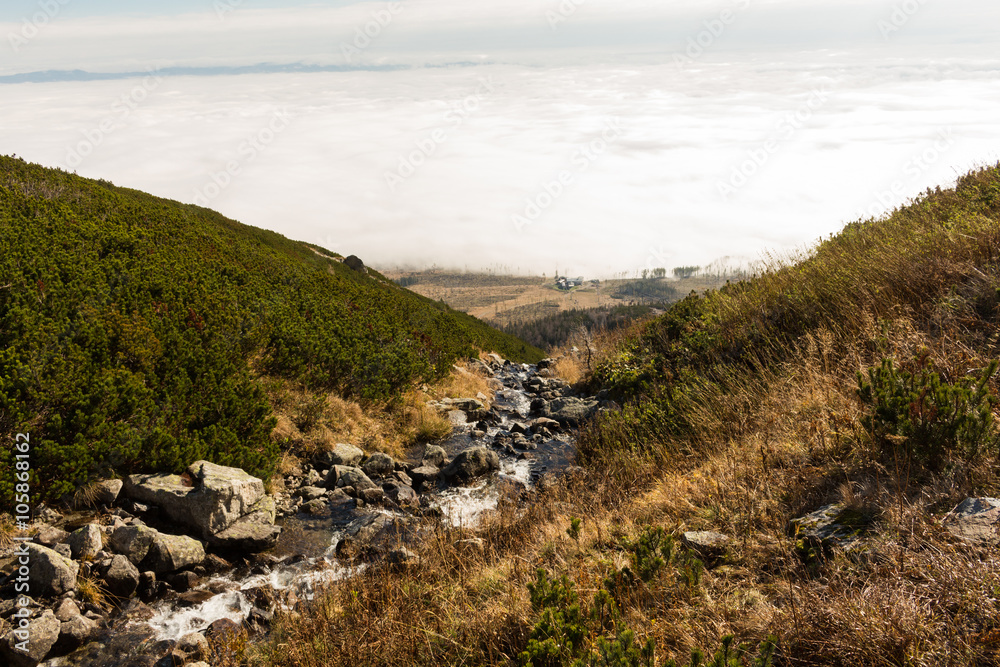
<point>84,543</point>
<point>169,553</point>
<point>50,573</point>
<point>254,532</point>
<point>341,455</point>
<point>209,498</point>
<point>121,577</point>
<point>133,542</point>
<point>569,410</point>
<point>472,463</point>
<point>975,521</point>
<point>106,492</point>
<point>26,647</point>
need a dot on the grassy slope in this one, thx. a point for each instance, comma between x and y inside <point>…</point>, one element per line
<point>133,330</point>
<point>741,411</point>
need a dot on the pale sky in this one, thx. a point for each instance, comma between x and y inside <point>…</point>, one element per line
<point>596,136</point>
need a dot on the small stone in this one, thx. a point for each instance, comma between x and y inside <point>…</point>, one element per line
<point>378,465</point>
<point>77,631</point>
<point>183,581</point>
<point>50,573</point>
<point>133,542</point>
<point>434,455</point>
<point>373,496</point>
<point>707,543</point>
<point>308,493</point>
<point>169,553</point>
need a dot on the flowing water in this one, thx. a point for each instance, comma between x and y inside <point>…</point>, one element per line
<point>308,543</point>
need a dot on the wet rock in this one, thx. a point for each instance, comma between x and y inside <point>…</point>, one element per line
<point>434,455</point>
<point>209,498</point>
<point>545,423</point>
<point>38,638</point>
<point>65,610</point>
<point>424,473</point>
<point>472,463</point>
<point>121,577</point>
<point>215,564</point>
<point>195,597</point>
<point>400,494</point>
<point>570,411</point>
<point>183,581</point>
<point>708,544</point>
<point>221,629</point>
<point>374,532</point>
<point>258,621</point>
<point>975,521</point>
<point>169,553</point>
<point>50,573</point>
<point>378,465</point>
<point>341,455</point>
<point>401,477</point>
<point>194,645</point>
<point>133,542</point>
<point>85,542</point>
<point>49,536</point>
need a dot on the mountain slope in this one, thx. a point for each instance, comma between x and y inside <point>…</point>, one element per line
<point>133,330</point>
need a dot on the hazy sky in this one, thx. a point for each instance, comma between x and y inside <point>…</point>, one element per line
<point>593,136</point>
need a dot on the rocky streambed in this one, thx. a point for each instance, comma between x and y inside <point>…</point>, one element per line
<point>172,562</point>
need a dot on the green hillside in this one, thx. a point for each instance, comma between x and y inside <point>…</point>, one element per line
<point>134,330</point>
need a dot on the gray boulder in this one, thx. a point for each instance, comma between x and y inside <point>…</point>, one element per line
<point>66,610</point>
<point>401,494</point>
<point>308,493</point>
<point>38,638</point>
<point>472,463</point>
<point>85,542</point>
<point>169,553</point>
<point>707,543</point>
<point>254,532</point>
<point>133,542</point>
<point>209,498</point>
<point>121,578</point>
<point>106,492</point>
<point>424,473</point>
<point>50,573</point>
<point>569,410</point>
<point>975,521</point>
<point>341,455</point>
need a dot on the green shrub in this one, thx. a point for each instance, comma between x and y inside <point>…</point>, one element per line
<point>930,417</point>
